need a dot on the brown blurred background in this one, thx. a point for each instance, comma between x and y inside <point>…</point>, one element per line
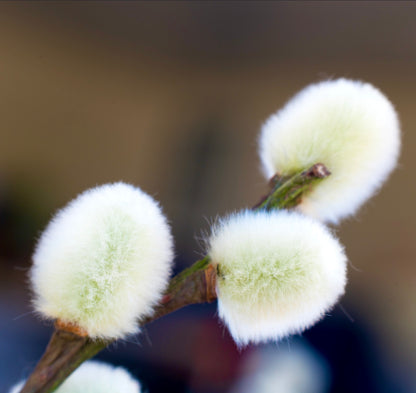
<point>170,96</point>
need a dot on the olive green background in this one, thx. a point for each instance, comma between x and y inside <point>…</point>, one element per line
<point>170,96</point>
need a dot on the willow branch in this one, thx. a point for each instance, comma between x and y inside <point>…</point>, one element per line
<point>69,346</point>
<point>287,191</point>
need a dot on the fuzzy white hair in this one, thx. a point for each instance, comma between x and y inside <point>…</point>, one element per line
<point>279,272</point>
<point>95,377</point>
<point>103,261</point>
<point>350,127</point>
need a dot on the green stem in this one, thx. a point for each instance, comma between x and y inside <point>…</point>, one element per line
<point>287,191</point>
<point>196,284</point>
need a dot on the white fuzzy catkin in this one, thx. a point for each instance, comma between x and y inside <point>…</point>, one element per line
<point>103,261</point>
<point>347,125</point>
<point>95,377</point>
<point>279,272</point>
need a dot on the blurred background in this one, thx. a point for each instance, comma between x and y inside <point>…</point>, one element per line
<point>170,96</point>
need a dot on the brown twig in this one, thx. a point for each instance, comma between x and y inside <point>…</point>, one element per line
<point>69,346</point>
<point>65,352</point>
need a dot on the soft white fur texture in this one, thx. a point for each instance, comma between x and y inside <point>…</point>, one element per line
<point>279,272</point>
<point>103,261</point>
<point>95,377</point>
<point>349,126</point>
